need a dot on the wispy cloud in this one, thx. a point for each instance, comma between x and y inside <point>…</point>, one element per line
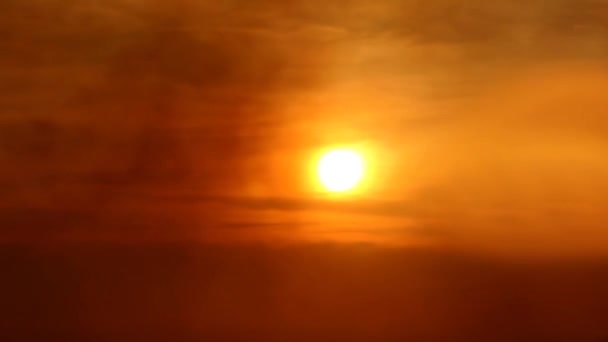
<point>484,111</point>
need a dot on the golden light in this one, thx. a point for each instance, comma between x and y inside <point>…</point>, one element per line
<point>341,170</point>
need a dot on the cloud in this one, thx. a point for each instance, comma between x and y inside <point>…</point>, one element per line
<point>122,71</point>
<point>480,107</point>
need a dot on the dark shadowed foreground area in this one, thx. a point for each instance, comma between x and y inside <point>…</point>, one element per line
<point>295,293</point>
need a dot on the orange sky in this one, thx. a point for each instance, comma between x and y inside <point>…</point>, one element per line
<point>193,120</point>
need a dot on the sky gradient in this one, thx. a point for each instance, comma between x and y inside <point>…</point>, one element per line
<point>486,120</point>
<point>156,170</point>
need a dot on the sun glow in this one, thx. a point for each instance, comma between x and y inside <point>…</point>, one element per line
<point>341,170</point>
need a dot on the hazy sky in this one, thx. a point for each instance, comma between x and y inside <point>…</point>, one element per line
<point>137,120</point>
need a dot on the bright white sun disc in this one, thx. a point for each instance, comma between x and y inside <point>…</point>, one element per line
<point>341,170</point>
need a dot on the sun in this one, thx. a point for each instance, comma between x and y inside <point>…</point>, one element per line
<point>341,170</point>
